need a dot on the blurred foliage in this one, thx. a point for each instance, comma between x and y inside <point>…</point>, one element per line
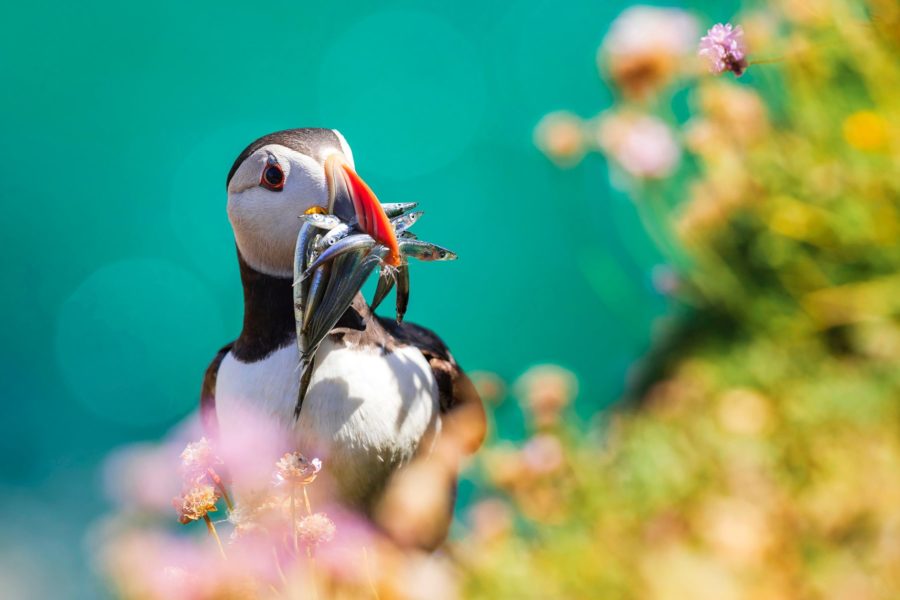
<point>763,459</point>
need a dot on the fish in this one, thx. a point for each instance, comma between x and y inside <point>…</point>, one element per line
<point>402,277</point>
<point>385,284</point>
<point>338,233</point>
<point>425,251</point>
<point>301,256</point>
<point>396,209</point>
<point>404,222</point>
<point>341,291</point>
<point>322,221</point>
<point>359,241</point>
<point>306,370</point>
<point>316,292</point>
<point>401,224</point>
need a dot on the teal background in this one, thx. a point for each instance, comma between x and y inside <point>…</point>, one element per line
<point>119,124</point>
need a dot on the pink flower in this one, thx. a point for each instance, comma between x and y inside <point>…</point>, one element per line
<point>642,30</point>
<point>197,459</point>
<point>142,477</point>
<point>293,467</point>
<point>643,145</point>
<point>315,529</point>
<point>249,445</point>
<point>724,49</point>
<point>645,48</point>
<point>543,454</point>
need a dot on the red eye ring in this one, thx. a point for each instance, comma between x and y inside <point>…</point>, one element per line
<point>272,177</point>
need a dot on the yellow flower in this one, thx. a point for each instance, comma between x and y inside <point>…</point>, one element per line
<point>865,130</point>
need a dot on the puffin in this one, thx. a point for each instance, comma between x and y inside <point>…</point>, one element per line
<point>381,393</point>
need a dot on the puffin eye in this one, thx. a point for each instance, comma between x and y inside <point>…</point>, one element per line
<point>272,177</point>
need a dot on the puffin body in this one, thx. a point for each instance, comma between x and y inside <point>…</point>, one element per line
<point>379,390</point>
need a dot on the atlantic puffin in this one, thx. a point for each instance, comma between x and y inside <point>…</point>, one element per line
<point>381,392</point>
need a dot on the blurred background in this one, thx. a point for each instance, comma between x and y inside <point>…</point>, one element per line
<point>638,276</point>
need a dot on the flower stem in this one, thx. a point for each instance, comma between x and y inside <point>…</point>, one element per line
<point>765,61</point>
<point>221,485</point>
<point>294,518</point>
<point>215,534</point>
<point>306,499</point>
<point>313,575</point>
<point>657,219</point>
<point>369,575</point>
<point>278,566</point>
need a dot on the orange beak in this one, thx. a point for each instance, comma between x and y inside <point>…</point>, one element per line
<point>351,197</point>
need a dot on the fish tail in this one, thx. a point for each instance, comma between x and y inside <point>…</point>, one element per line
<point>306,369</point>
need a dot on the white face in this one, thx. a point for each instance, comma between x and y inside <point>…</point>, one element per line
<point>264,212</point>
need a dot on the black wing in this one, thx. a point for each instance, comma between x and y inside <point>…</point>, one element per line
<point>208,393</point>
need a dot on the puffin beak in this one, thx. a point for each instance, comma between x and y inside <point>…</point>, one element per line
<point>351,198</point>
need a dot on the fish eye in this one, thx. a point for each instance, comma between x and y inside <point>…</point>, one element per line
<point>272,176</point>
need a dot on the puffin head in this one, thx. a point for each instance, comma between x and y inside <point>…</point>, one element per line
<point>286,174</point>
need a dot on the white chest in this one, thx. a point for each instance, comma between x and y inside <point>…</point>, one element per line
<point>365,413</point>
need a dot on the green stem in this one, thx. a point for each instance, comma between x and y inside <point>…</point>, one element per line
<point>655,216</point>
<point>215,534</point>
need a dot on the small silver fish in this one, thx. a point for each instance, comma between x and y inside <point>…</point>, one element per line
<point>329,239</point>
<point>301,256</point>
<point>321,221</point>
<point>425,251</point>
<point>400,224</point>
<point>404,222</point>
<point>355,267</point>
<point>395,209</point>
<point>402,276</point>
<point>385,284</point>
<point>359,241</point>
<point>316,292</point>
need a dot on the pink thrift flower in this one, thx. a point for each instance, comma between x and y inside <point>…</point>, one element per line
<point>724,49</point>
<point>140,476</point>
<point>293,467</point>
<point>543,454</point>
<point>315,529</point>
<point>197,460</point>
<point>643,145</point>
<point>249,444</point>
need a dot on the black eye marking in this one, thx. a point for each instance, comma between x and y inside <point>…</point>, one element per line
<point>272,176</point>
